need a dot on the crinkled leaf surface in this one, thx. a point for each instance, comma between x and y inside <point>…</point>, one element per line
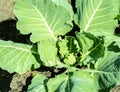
<point>91,47</point>
<point>72,44</point>
<point>77,82</point>
<point>68,49</point>
<point>70,59</point>
<point>67,46</point>
<point>16,57</point>
<point>97,16</point>
<point>42,18</point>
<point>108,69</point>
<point>38,84</point>
<point>63,48</point>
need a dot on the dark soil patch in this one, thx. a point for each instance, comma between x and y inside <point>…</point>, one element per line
<point>5,80</point>
<point>8,31</point>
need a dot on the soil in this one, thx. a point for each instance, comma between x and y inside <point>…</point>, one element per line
<point>116,89</point>
<point>5,79</point>
<point>6,10</point>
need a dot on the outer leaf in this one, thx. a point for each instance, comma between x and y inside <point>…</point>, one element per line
<point>83,82</point>
<point>109,71</point>
<point>65,4</point>
<point>42,18</point>
<point>38,84</point>
<point>97,16</point>
<point>48,53</point>
<point>58,83</point>
<point>77,82</point>
<point>91,47</point>
<point>15,57</point>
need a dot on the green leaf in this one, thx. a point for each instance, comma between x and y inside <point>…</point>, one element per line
<point>108,69</point>
<point>114,46</point>
<point>16,57</point>
<point>91,47</point>
<point>119,6</point>
<point>42,18</point>
<point>97,16</point>
<point>113,41</point>
<point>66,5</point>
<point>58,83</point>
<point>63,48</point>
<point>70,59</point>
<point>38,84</point>
<point>48,53</point>
<point>110,62</point>
<point>75,82</point>
<point>67,46</point>
<point>68,49</point>
<point>72,44</point>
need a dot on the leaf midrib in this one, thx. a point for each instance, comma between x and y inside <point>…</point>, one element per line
<point>99,71</point>
<point>48,27</point>
<point>90,20</point>
<point>17,48</point>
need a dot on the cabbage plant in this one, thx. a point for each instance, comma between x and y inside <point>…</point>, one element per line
<point>90,55</point>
